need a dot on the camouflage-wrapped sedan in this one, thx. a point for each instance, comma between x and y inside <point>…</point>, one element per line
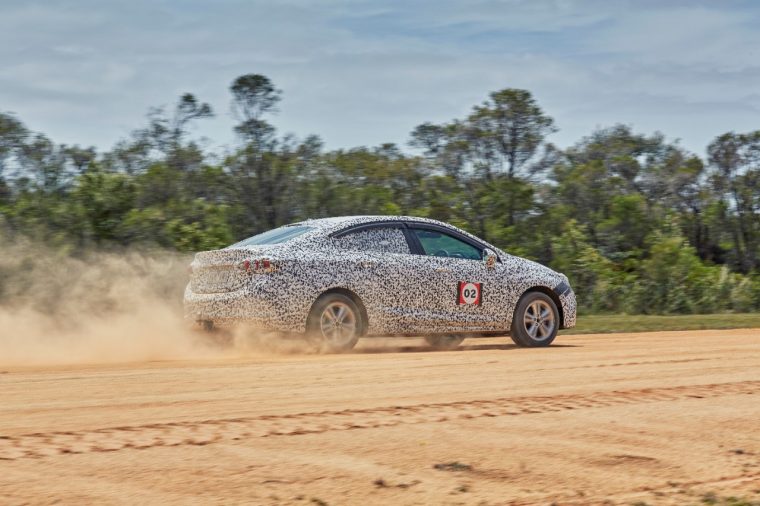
<point>339,279</point>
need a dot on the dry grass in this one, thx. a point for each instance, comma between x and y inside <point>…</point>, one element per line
<point>593,324</point>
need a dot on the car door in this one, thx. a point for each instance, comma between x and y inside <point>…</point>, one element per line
<point>378,256</point>
<point>456,281</point>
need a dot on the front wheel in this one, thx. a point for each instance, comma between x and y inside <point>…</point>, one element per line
<point>536,320</point>
<point>445,342</point>
<point>335,323</point>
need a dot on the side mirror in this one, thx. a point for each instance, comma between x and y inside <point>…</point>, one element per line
<point>489,257</point>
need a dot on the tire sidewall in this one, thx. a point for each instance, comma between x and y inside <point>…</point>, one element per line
<point>518,332</point>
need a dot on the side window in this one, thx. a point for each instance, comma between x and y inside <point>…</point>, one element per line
<point>380,240</point>
<point>440,244</point>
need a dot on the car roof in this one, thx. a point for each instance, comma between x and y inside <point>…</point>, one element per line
<point>341,222</point>
<point>329,226</point>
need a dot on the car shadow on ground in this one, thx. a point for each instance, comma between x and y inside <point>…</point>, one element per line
<point>423,348</point>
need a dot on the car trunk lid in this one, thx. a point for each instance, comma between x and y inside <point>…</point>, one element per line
<point>221,271</point>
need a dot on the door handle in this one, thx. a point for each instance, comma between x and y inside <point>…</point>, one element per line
<point>442,269</point>
<point>367,264</point>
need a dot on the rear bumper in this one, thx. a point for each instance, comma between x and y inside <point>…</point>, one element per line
<point>229,308</point>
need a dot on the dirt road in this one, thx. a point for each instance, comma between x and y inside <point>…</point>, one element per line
<point>662,418</point>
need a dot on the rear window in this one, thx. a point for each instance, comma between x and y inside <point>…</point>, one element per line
<point>379,240</point>
<point>276,236</point>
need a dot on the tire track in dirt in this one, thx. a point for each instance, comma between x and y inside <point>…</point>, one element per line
<point>641,362</point>
<point>679,493</point>
<point>203,432</point>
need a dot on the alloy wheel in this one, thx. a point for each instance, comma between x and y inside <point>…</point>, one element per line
<point>338,324</point>
<point>539,320</point>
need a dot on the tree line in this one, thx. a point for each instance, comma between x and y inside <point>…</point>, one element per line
<point>638,223</point>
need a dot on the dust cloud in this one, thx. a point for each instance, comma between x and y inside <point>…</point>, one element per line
<point>95,308</point>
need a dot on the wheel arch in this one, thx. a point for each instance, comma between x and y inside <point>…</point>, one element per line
<point>351,295</point>
<point>553,296</point>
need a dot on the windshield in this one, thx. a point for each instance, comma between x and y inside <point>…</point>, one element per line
<point>276,236</point>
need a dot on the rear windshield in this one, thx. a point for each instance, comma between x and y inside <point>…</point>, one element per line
<point>276,236</point>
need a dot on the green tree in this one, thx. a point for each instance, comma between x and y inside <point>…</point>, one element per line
<point>12,137</point>
<point>262,175</point>
<point>736,160</point>
<point>636,222</point>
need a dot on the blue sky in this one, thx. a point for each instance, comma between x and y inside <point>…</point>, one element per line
<point>366,72</point>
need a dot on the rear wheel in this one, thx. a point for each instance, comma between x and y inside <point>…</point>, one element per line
<point>335,323</point>
<point>445,342</point>
<point>536,320</point>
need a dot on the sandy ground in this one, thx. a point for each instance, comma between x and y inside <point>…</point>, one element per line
<point>661,418</point>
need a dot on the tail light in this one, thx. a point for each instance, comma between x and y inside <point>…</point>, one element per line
<point>260,266</point>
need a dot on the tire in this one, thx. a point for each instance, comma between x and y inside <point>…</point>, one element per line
<point>536,321</point>
<point>445,342</point>
<point>335,323</point>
